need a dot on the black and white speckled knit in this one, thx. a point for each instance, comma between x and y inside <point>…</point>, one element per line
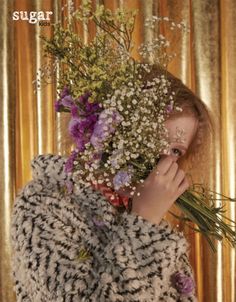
<point>127,258</point>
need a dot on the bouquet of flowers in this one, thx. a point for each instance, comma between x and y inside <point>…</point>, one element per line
<point>116,110</point>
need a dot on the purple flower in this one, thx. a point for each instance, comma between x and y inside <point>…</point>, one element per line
<point>58,105</point>
<point>169,108</point>
<point>92,119</point>
<point>121,178</point>
<point>64,100</point>
<point>80,143</point>
<point>98,136</point>
<point>183,283</point>
<point>88,108</point>
<point>105,126</point>
<point>69,186</point>
<point>74,111</point>
<point>70,161</point>
<point>64,92</point>
<point>76,131</point>
<point>84,98</point>
<point>98,221</point>
<point>97,155</point>
<point>81,130</point>
<point>83,116</point>
<point>67,101</point>
<point>82,123</point>
<point>91,107</point>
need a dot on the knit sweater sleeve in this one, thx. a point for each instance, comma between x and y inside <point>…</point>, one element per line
<point>58,256</point>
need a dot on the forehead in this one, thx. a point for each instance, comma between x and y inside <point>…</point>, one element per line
<point>182,128</point>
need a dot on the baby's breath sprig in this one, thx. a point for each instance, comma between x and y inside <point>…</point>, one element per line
<point>150,22</point>
<point>156,51</point>
<point>44,76</point>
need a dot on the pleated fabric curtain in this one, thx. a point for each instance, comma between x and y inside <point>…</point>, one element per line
<point>206,62</point>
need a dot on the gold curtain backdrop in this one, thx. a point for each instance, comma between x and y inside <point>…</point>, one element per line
<point>206,62</point>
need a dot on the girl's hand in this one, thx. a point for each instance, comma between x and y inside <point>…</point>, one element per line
<point>159,190</point>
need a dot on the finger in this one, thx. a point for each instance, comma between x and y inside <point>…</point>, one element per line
<point>163,165</point>
<point>179,177</point>
<point>172,171</point>
<point>183,186</point>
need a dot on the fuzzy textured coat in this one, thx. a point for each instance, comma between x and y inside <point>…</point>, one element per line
<point>78,247</point>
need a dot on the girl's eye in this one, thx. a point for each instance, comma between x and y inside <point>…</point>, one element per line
<point>176,152</point>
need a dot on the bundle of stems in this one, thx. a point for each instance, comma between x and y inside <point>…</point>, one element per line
<point>198,206</point>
